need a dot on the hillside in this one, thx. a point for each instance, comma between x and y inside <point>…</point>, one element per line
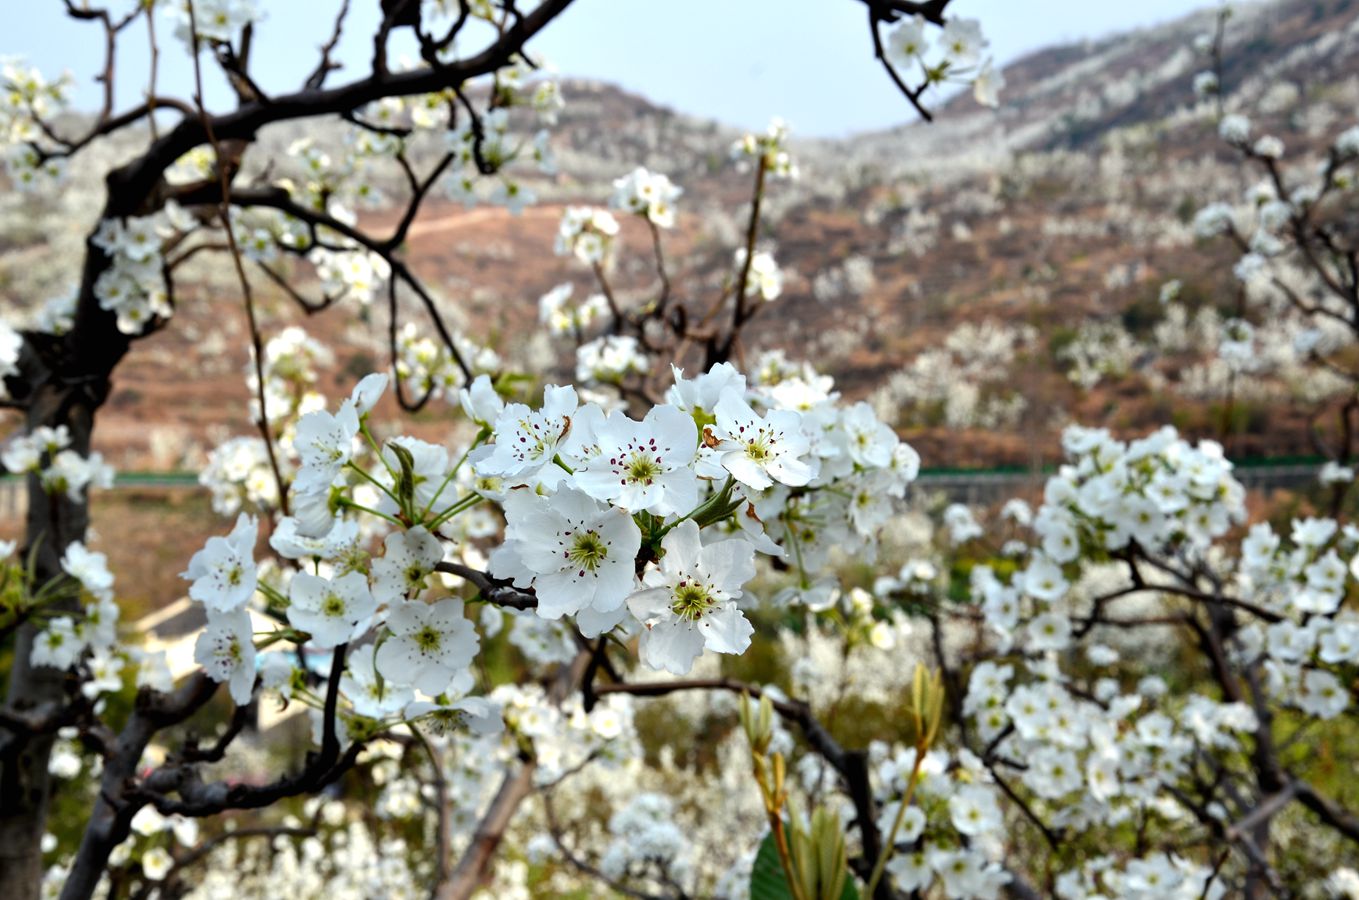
<point>958,274</point>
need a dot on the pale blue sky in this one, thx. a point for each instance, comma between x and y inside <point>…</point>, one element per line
<point>738,61</point>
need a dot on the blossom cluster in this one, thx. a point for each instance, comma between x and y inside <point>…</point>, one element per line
<point>651,527</point>
<point>591,235</point>
<point>966,380</point>
<point>1157,493</point>
<point>47,453</point>
<point>650,195</point>
<point>954,820</point>
<point>213,21</point>
<point>769,150</point>
<point>492,146</point>
<point>644,837</point>
<point>764,279</point>
<point>134,286</point>
<point>566,319</point>
<point>87,637</point>
<point>26,100</point>
<point>1059,721</point>
<point>587,234</point>
<point>610,358</point>
<point>1277,225</point>
<point>1308,641</point>
<point>956,56</point>
<point>428,367</point>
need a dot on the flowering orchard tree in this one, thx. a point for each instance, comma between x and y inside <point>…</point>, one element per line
<point>521,651</point>
<point>623,518</point>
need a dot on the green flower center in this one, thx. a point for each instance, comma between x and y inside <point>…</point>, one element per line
<point>643,468</point>
<point>333,606</point>
<point>443,721</point>
<point>587,551</point>
<point>757,449</point>
<point>428,639</point>
<point>691,601</point>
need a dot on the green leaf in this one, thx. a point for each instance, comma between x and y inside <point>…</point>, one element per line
<point>767,881</point>
<point>405,483</point>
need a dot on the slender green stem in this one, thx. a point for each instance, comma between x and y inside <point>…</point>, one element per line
<point>886,852</point>
<point>722,497</point>
<point>785,858</point>
<point>450,476</point>
<point>359,507</point>
<point>273,637</point>
<point>437,494</point>
<point>377,451</point>
<point>308,698</point>
<point>373,481</point>
<point>272,593</point>
<point>461,506</point>
<point>797,554</point>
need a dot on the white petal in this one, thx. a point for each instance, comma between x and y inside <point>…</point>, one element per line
<point>725,630</point>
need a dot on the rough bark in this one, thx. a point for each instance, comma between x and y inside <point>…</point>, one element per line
<point>52,523</point>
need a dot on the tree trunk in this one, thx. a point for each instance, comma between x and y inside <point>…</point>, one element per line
<point>52,523</point>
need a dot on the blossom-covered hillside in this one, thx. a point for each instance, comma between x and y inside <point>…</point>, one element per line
<point>980,300</point>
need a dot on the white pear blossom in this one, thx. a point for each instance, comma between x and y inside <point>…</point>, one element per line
<point>907,40</point>
<point>689,602</point>
<point>764,279</point>
<point>962,40</point>
<point>91,569</point>
<point>430,645</point>
<point>341,540</point>
<point>371,695</point>
<point>699,396</point>
<point>647,194</point>
<point>409,559</point>
<point>974,810</point>
<point>331,611</point>
<point>574,553</point>
<point>368,392</point>
<point>57,646</point>
<point>480,401</point>
<point>226,651</point>
<point>223,572</point>
<point>988,84</point>
<point>476,714</point>
<point>325,443</point>
<point>105,674</point>
<point>645,465</point>
<point>11,342</point>
<point>156,863</point>
<point>759,451</point>
<point>870,442</point>
<point>526,439</point>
